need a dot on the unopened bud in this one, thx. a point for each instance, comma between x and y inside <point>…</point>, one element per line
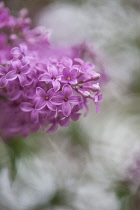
<point>13,37</point>
<point>95,76</point>
<point>27,21</point>
<point>84,93</point>
<point>23,13</point>
<point>95,87</point>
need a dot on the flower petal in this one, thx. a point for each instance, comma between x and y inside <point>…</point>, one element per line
<point>16,64</point>
<point>31,93</point>
<point>3,82</point>
<point>53,128</point>
<point>74,99</point>
<point>56,85</point>
<point>66,72</point>
<point>73,81</point>
<point>15,51</point>
<point>52,70</point>
<point>45,77</point>
<point>67,90</point>
<point>26,107</point>
<point>97,106</point>
<point>22,79</point>
<point>66,61</point>
<point>11,75</point>
<point>34,116</point>
<point>66,108</point>
<point>41,93</point>
<point>50,93</point>
<point>51,114</point>
<point>51,106</point>
<point>41,67</point>
<point>14,95</point>
<point>2,70</point>
<point>25,69</point>
<point>23,48</point>
<point>57,99</point>
<point>74,73</point>
<point>75,116</point>
<point>65,122</point>
<point>40,104</point>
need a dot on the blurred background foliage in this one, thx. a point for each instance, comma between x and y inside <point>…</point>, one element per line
<point>84,166</point>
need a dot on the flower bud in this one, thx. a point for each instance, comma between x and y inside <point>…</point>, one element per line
<point>95,76</point>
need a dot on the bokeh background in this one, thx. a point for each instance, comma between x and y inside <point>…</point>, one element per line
<point>94,163</point>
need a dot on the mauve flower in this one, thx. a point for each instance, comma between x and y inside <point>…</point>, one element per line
<point>52,76</point>
<point>3,80</point>
<point>15,91</point>
<point>66,62</point>
<point>97,98</point>
<point>20,51</point>
<point>55,121</point>
<point>73,116</point>
<point>29,107</point>
<point>44,99</point>
<point>18,71</point>
<point>69,76</point>
<point>65,99</point>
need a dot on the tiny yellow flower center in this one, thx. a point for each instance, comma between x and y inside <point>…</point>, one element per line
<point>47,98</point>
<point>65,99</point>
<point>68,78</point>
<point>17,72</point>
<point>53,79</point>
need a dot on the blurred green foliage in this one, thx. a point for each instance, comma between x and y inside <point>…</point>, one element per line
<point>61,198</point>
<point>19,148</point>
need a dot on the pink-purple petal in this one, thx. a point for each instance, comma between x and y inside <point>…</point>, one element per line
<point>34,116</point>
<point>14,95</point>
<point>97,106</point>
<point>26,107</point>
<point>53,128</point>
<point>67,90</point>
<point>66,108</point>
<point>66,61</point>
<point>66,72</point>
<point>51,106</point>
<point>26,69</point>
<point>40,104</point>
<point>15,51</point>
<point>45,77</point>
<point>23,48</point>
<point>41,67</point>
<point>11,75</point>
<point>73,81</point>
<point>51,114</point>
<point>74,73</point>
<point>2,70</point>
<point>75,116</point>
<point>22,79</point>
<point>52,70</point>
<point>74,99</point>
<point>40,92</point>
<point>65,122</point>
<point>56,85</point>
<point>57,100</point>
<point>16,63</point>
<point>3,82</point>
<point>50,93</point>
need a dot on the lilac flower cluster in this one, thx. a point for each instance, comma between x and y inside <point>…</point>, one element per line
<point>40,87</point>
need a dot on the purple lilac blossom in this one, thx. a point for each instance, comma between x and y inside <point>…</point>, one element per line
<point>41,86</point>
<point>52,76</point>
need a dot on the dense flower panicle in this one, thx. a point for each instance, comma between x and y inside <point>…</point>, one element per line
<point>40,87</point>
